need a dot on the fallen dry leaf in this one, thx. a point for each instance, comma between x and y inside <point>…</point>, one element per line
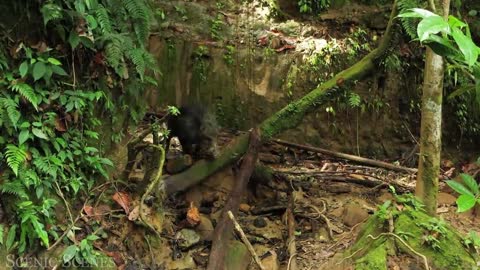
<point>134,214</point>
<point>60,125</point>
<point>116,256</point>
<point>123,200</point>
<point>193,215</point>
<point>88,210</point>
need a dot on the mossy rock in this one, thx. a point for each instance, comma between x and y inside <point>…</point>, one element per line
<point>374,243</point>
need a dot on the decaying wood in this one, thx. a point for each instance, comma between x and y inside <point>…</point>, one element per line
<point>358,159</point>
<point>223,231</point>
<point>245,240</point>
<point>291,246</point>
<point>133,148</point>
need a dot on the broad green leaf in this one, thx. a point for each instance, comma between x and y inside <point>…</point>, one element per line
<point>59,70</point>
<point>92,237</point>
<point>38,70</point>
<point>92,23</point>
<point>466,45</point>
<point>409,15</point>
<point>454,22</point>
<point>431,25</point>
<point>465,202</point>
<point>69,253</point>
<point>11,236</point>
<point>48,74</point>
<point>2,231</point>
<point>459,188</point>
<point>106,161</point>
<point>423,12</point>
<point>25,125</point>
<point>39,133</point>
<point>444,47</point>
<point>73,39</point>
<point>87,43</point>
<point>23,69</point>
<point>54,61</point>
<point>23,136</point>
<point>470,183</point>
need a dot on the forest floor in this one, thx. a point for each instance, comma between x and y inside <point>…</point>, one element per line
<point>333,197</point>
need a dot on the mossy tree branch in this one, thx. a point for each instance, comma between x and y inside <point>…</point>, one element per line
<point>287,118</point>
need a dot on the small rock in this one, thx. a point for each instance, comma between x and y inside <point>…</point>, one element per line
<point>354,214</point>
<point>187,238</point>
<point>244,207</point>
<point>445,198</point>
<point>260,222</point>
<point>205,228</point>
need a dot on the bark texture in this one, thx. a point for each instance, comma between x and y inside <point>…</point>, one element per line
<point>431,127</point>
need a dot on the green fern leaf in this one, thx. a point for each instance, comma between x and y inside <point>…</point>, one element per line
<point>13,113</point>
<point>15,157</point>
<point>51,12</point>
<point>26,91</point>
<point>141,15</point>
<point>14,187</point>
<point>136,55</point>
<point>114,53</point>
<point>103,20</point>
<point>409,24</point>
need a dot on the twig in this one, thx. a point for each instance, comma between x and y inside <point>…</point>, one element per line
<point>291,247</point>
<point>69,228</point>
<point>60,193</point>
<point>245,240</point>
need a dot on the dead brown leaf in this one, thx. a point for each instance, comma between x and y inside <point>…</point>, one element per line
<point>60,125</point>
<point>193,215</point>
<point>123,200</point>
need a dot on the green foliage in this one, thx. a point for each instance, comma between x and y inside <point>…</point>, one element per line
<point>451,39</point>
<point>200,64</point>
<point>216,26</point>
<point>469,192</point>
<point>48,135</point>
<point>313,6</point>
<point>410,24</point>
<point>15,157</point>
<point>82,252</point>
<point>472,239</point>
<point>228,56</point>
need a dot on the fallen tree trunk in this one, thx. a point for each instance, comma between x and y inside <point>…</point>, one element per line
<point>358,159</point>
<point>288,117</point>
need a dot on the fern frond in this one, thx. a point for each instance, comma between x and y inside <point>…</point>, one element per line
<point>103,19</point>
<point>136,55</point>
<point>11,106</point>
<point>29,178</point>
<point>51,12</point>
<point>409,24</point>
<point>43,165</point>
<point>26,91</point>
<point>14,188</point>
<point>114,53</point>
<point>15,157</point>
<point>141,15</point>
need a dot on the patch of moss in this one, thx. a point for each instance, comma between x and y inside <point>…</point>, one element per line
<point>449,252</point>
<point>375,259</point>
